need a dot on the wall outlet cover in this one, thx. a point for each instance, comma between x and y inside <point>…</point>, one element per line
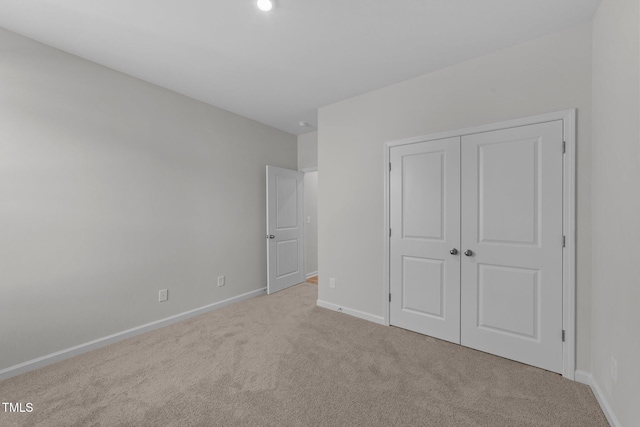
<point>163,295</point>
<point>220,281</point>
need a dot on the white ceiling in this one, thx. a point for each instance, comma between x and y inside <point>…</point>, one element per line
<point>279,67</point>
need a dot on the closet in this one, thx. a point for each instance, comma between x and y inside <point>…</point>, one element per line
<point>476,240</point>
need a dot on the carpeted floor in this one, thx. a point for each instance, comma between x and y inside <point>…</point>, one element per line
<point>279,360</point>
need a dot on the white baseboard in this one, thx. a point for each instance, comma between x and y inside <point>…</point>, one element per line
<point>588,379</point>
<point>352,312</point>
<point>314,273</point>
<point>40,362</point>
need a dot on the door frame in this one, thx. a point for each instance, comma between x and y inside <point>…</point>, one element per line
<point>306,171</point>
<point>568,217</point>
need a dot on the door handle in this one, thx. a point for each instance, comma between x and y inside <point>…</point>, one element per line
<point>270,236</point>
<point>453,251</point>
<point>468,252</point>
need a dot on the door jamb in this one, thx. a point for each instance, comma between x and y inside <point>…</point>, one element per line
<point>304,252</point>
<point>568,217</point>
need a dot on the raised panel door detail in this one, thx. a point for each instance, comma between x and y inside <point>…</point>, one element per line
<point>508,187</point>
<point>520,287</point>
<point>287,202</point>
<point>423,286</point>
<point>423,196</point>
<point>287,256</point>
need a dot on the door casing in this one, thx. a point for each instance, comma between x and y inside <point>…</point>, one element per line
<point>568,216</point>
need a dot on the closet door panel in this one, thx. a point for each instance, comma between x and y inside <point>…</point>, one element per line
<point>511,279</point>
<point>425,223</point>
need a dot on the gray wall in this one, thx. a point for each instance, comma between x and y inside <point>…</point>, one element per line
<point>616,205</point>
<point>544,75</point>
<point>308,151</point>
<point>311,228</point>
<point>111,189</point>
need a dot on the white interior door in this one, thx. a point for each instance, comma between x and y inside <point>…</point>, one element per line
<point>425,227</point>
<point>285,228</point>
<point>511,280</point>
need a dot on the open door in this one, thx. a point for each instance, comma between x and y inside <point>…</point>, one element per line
<point>285,228</point>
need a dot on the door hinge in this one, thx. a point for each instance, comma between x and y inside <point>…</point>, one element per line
<point>389,166</point>
<point>389,297</point>
<point>389,232</point>
<point>563,335</point>
<point>564,147</point>
<point>564,241</point>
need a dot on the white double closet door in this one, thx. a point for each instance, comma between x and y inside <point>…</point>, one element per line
<point>476,243</point>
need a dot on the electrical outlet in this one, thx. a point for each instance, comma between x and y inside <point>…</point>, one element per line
<point>614,370</point>
<point>308,219</point>
<point>163,295</point>
<point>220,281</point>
<point>332,282</point>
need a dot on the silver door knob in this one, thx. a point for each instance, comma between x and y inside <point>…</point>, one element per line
<point>453,251</point>
<point>468,252</point>
<point>271,236</point>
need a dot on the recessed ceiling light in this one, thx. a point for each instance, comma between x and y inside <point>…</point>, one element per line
<point>265,5</point>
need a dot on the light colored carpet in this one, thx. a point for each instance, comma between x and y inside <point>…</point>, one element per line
<point>279,360</point>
